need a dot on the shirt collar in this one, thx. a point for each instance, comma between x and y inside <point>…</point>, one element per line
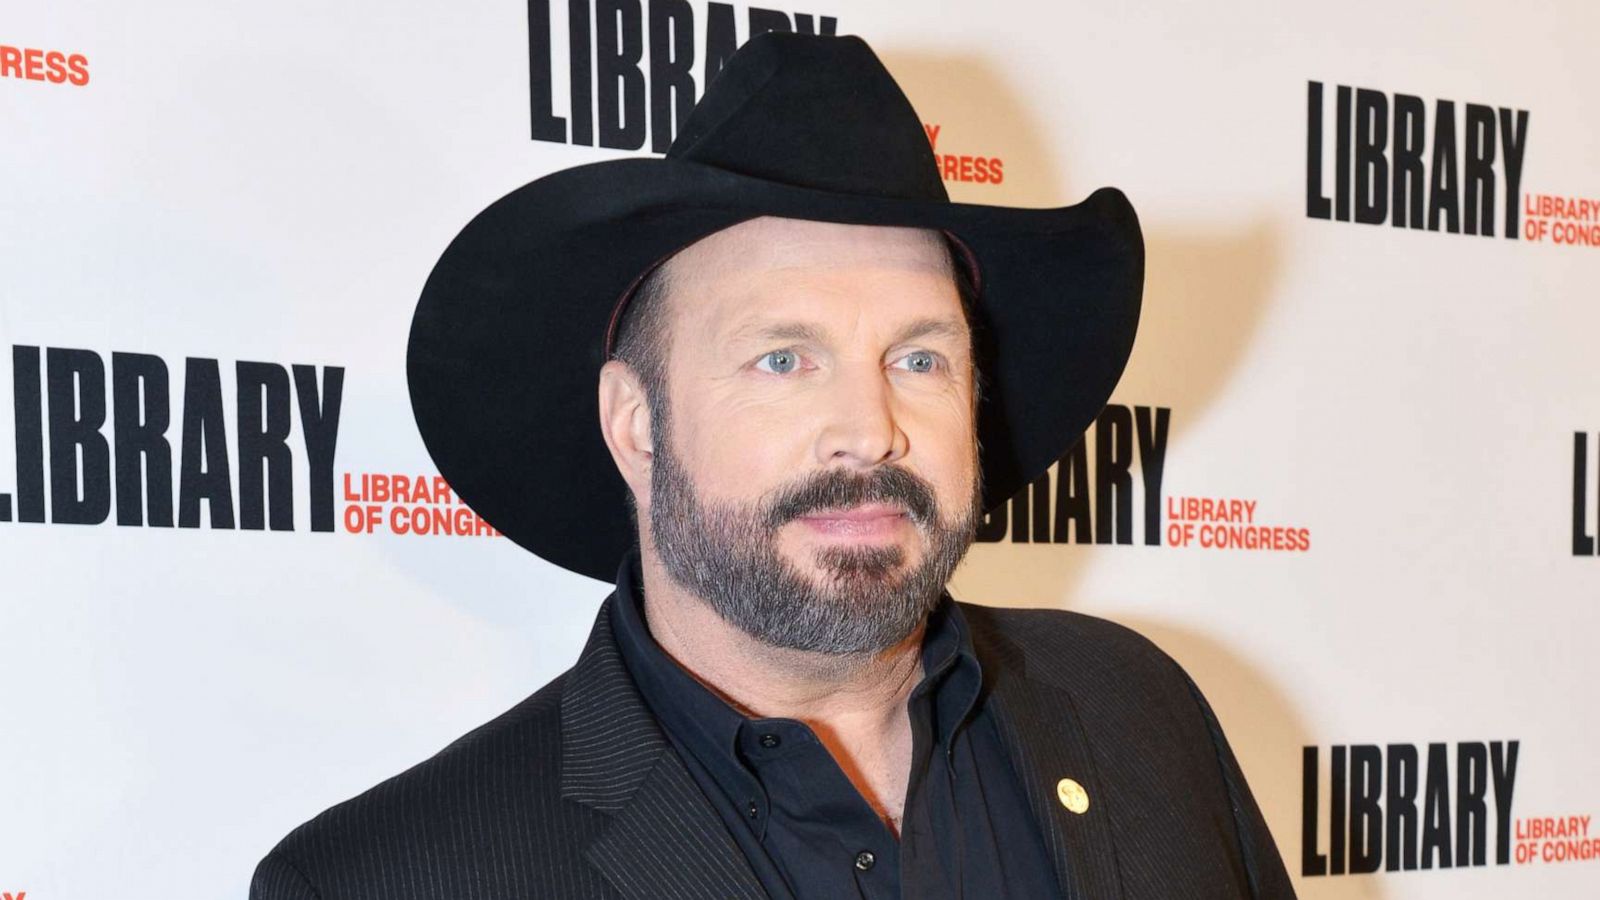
<point>951,674</point>
<point>708,727</point>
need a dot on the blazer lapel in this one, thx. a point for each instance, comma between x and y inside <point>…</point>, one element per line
<point>669,843</point>
<point>664,840</point>
<point>1044,737</point>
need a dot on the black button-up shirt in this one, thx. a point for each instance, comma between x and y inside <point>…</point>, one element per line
<point>805,829</point>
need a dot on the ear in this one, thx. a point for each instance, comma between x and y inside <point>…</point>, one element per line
<point>625,424</point>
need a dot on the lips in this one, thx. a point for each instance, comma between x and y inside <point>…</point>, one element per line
<point>864,512</point>
<point>866,520</point>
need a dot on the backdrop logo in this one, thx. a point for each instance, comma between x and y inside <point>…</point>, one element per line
<point>611,86</point>
<point>1562,220</point>
<point>1556,839</point>
<point>1389,167</point>
<point>408,504</point>
<point>1400,807</point>
<point>53,66</point>
<point>1091,498</point>
<point>87,464</point>
<point>1583,540</point>
<point>964,167</point>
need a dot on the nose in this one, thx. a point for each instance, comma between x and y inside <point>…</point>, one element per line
<point>860,428</point>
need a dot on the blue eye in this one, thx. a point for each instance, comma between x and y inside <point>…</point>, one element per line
<point>920,361</point>
<point>779,362</point>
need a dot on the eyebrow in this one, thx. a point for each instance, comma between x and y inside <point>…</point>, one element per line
<point>784,331</point>
<point>923,328</point>
<point>807,333</point>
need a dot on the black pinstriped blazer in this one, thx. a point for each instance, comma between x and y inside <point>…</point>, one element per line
<point>575,792</point>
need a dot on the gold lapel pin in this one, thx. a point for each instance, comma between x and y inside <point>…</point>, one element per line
<point>1072,796</point>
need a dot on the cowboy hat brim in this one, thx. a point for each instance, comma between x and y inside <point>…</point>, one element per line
<point>510,332</point>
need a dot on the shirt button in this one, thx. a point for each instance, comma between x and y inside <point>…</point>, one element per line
<point>754,810</point>
<point>865,859</point>
<point>770,740</point>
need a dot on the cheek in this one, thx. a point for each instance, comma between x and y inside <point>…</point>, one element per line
<point>957,476</point>
<point>738,449</point>
<point>943,448</point>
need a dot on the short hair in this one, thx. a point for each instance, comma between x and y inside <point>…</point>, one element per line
<point>641,337</point>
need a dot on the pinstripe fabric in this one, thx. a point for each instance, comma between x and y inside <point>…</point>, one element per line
<point>276,877</point>
<point>671,843</point>
<point>609,741</point>
<point>1170,814</point>
<point>1081,847</point>
<point>576,793</point>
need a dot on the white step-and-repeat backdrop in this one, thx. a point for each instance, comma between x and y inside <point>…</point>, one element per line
<point>1349,479</point>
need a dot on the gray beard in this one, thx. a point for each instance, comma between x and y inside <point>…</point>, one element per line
<point>727,555</point>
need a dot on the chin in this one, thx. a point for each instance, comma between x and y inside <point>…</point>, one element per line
<point>861,563</point>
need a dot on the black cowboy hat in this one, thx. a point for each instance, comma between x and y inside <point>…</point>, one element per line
<point>513,324</point>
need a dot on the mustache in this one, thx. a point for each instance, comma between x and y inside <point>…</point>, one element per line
<point>839,489</point>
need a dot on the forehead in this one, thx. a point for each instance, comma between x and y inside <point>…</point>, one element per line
<point>770,264</point>
<point>770,242</point>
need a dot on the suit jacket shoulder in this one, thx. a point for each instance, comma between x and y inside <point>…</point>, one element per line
<point>575,792</point>
<point>1167,781</point>
<point>1053,632</point>
<point>486,810</point>
<point>1082,654</point>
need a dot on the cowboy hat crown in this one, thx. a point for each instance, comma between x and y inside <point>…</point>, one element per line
<point>785,109</point>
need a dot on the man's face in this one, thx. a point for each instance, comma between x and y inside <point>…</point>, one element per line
<point>816,475</point>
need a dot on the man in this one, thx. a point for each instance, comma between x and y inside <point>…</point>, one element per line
<point>813,374</point>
